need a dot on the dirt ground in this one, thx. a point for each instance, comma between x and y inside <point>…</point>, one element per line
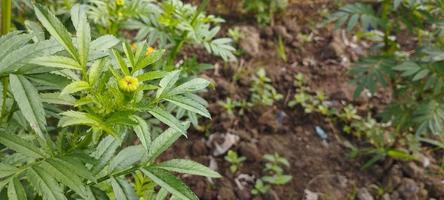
<point>321,169</point>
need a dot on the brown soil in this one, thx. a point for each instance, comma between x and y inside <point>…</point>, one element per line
<point>316,165</point>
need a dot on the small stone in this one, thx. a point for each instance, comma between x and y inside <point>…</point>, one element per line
<point>282,31</point>
<point>251,40</point>
<point>364,194</point>
<point>226,194</point>
<point>408,188</point>
<point>199,148</point>
<point>243,194</point>
<point>435,186</point>
<point>271,195</point>
<point>250,151</point>
<point>412,170</point>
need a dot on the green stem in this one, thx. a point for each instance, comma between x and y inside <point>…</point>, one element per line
<point>5,84</point>
<point>176,49</point>
<point>6,7</point>
<point>6,16</point>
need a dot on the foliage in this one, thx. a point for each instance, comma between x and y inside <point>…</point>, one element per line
<point>236,162</point>
<point>101,94</point>
<point>275,174</point>
<point>377,138</point>
<point>415,79</point>
<point>263,93</point>
<point>264,10</point>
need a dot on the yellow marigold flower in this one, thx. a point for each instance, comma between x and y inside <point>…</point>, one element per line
<point>129,84</point>
<point>149,51</point>
<point>120,2</point>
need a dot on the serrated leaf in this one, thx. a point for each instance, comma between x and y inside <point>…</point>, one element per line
<point>142,132</point>
<point>7,170</point>
<point>28,100</point>
<point>65,176</point>
<point>193,85</point>
<point>163,142</point>
<point>80,22</point>
<point>56,62</point>
<point>44,184</point>
<point>57,98</point>
<point>22,146</point>
<point>149,60</point>
<point>127,157</point>
<point>120,62</point>
<point>167,83</point>
<point>188,167</point>
<point>56,29</point>
<point>36,30</point>
<point>104,152</point>
<point>95,71</point>
<point>16,190</point>
<point>71,118</point>
<point>171,183</point>
<point>189,104</point>
<point>152,75</point>
<point>74,87</point>
<point>168,119</point>
<point>123,190</point>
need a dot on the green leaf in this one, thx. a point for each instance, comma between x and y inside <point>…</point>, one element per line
<point>21,146</point>
<point>28,100</point>
<point>100,46</point>
<point>129,54</point>
<point>74,87</point>
<point>16,190</point>
<point>56,62</point>
<point>7,170</point>
<point>142,132</point>
<point>44,184</point>
<point>119,60</point>
<point>163,142</point>
<point>57,98</point>
<point>95,71</point>
<point>36,30</point>
<point>149,60</point>
<point>152,75</point>
<point>168,119</point>
<point>80,22</point>
<point>65,176</point>
<point>171,183</point>
<point>189,104</point>
<point>56,29</point>
<point>123,190</point>
<point>162,194</point>
<point>167,83</point>
<point>193,85</point>
<point>188,167</point>
<point>104,152</point>
<point>18,57</point>
<point>127,157</point>
<point>71,118</point>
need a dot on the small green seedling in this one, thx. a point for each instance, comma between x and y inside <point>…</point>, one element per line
<point>235,34</point>
<point>229,105</point>
<point>260,187</point>
<point>236,162</point>
<point>263,93</point>
<point>274,169</point>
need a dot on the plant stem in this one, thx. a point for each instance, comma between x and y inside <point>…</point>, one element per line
<point>6,7</point>
<point>6,16</point>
